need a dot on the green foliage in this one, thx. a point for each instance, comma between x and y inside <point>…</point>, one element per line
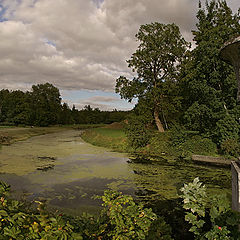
<point>199,145</point>
<point>194,195</point>
<point>159,230</point>
<point>178,136</point>
<point>42,106</point>
<point>208,85</point>
<point>160,145</point>
<point>190,142</point>
<point>227,128</point>
<point>155,62</point>
<point>128,220</point>
<point>45,104</point>
<point>120,219</point>
<point>17,223</point>
<point>230,147</point>
<point>210,217</point>
<point>199,117</point>
<point>137,133</point>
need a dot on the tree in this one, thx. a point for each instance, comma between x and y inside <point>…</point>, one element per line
<point>208,84</point>
<point>66,115</point>
<point>46,104</point>
<point>155,62</point>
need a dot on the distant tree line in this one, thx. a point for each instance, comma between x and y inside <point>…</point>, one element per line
<point>42,106</point>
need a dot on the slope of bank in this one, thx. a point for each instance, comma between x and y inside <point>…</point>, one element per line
<point>164,145</point>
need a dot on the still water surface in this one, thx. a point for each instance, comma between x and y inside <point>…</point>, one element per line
<point>68,172</point>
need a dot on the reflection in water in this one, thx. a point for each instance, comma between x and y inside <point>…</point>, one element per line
<point>77,171</point>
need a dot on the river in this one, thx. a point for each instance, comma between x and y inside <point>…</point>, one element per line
<point>68,173</point>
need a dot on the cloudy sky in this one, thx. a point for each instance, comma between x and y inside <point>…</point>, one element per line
<point>80,46</point>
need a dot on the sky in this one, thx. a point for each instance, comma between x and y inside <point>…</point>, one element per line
<point>81,46</point>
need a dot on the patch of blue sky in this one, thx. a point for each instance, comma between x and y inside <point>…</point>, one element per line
<point>98,2</point>
<point>81,96</point>
<point>49,42</point>
<point>2,12</point>
<point>4,7</point>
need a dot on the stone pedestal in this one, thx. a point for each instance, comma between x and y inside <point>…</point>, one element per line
<point>235,168</point>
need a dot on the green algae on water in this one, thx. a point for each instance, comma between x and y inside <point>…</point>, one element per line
<point>82,171</point>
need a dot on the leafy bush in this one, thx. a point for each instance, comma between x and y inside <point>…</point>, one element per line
<point>199,145</point>
<point>227,128</point>
<point>17,223</point>
<point>159,230</point>
<point>230,147</point>
<point>210,217</point>
<point>160,145</point>
<point>127,220</point>
<point>120,219</point>
<point>137,133</point>
<point>188,142</point>
<point>178,136</point>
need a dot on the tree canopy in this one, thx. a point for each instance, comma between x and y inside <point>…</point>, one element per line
<point>208,84</point>
<point>155,63</point>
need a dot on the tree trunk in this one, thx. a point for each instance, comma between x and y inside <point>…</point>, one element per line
<point>157,120</point>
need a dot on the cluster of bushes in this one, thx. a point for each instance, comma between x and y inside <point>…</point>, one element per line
<point>121,218</point>
<point>137,138</point>
<point>178,141</point>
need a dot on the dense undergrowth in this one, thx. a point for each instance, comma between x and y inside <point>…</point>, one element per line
<point>175,143</point>
<point>121,218</point>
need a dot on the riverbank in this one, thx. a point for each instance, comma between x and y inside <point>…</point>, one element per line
<point>11,134</point>
<point>167,145</point>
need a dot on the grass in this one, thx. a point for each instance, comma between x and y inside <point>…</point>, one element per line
<point>109,132</point>
<point>115,139</point>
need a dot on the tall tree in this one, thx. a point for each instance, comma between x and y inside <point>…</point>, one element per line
<point>208,84</point>
<point>156,63</point>
<point>46,104</point>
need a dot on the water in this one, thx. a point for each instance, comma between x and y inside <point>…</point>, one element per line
<point>68,172</point>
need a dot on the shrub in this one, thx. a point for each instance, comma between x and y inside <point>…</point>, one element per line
<point>187,143</point>
<point>210,217</point>
<point>199,145</point>
<point>127,219</point>
<point>120,219</point>
<point>230,147</point>
<point>178,136</point>
<point>17,223</point>
<point>159,230</point>
<point>227,128</point>
<point>137,134</point>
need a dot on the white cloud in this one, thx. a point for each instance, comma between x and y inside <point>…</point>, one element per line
<point>79,44</point>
